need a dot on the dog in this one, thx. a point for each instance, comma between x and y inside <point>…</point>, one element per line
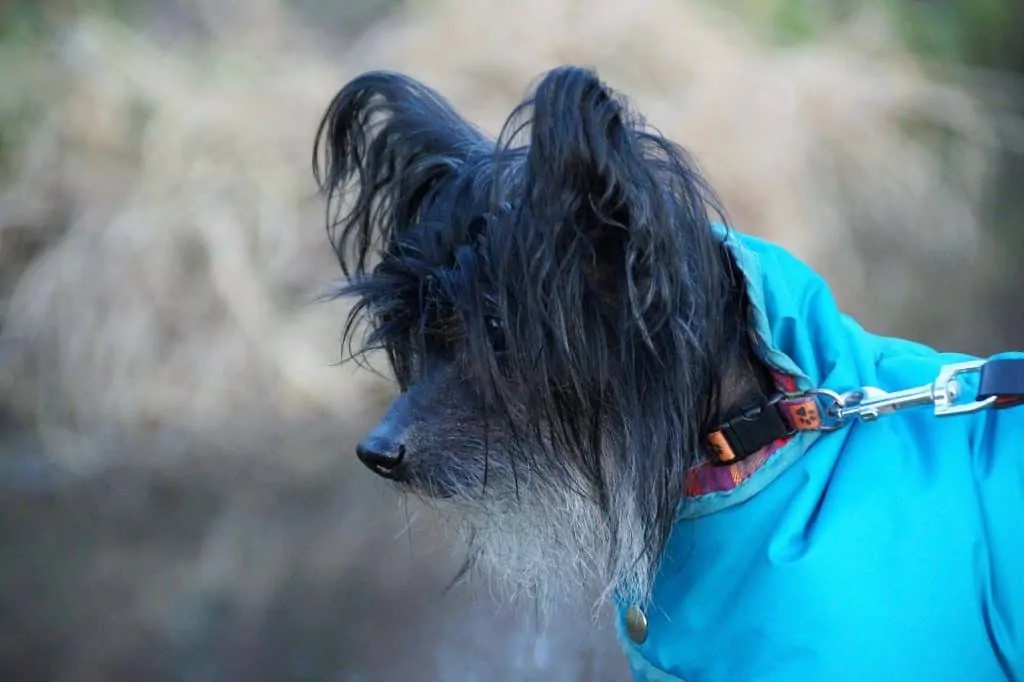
<point>604,383</point>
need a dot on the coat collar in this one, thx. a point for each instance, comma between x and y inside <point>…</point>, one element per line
<point>797,327</point>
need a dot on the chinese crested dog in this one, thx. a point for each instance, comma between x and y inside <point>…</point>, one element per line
<point>563,325</point>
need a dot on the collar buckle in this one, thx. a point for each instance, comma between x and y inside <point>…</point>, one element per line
<point>749,431</point>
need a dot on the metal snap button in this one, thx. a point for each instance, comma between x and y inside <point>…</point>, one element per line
<point>636,624</point>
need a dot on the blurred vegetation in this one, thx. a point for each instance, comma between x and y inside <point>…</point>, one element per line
<point>968,32</point>
<point>975,32</point>
<point>26,24</point>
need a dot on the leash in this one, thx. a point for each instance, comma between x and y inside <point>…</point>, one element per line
<point>1001,385</point>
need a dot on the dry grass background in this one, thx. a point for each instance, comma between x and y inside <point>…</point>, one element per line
<point>178,495</point>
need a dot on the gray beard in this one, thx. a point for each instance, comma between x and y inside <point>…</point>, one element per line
<point>552,545</point>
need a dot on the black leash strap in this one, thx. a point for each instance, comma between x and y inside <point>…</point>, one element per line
<point>1002,379</point>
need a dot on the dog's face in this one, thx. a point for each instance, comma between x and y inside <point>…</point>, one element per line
<point>556,312</point>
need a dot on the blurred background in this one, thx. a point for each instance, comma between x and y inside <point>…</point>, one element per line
<point>178,494</point>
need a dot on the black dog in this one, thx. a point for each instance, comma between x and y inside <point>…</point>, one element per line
<point>563,325</point>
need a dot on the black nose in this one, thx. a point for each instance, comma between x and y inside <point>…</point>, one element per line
<point>382,455</point>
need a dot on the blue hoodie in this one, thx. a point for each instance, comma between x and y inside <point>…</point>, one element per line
<point>888,550</point>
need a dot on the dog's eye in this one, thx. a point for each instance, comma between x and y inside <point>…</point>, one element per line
<point>495,332</point>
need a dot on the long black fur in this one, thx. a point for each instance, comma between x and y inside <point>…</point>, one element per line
<point>564,277</point>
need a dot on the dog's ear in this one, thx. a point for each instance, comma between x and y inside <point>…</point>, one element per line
<point>625,204</point>
<point>397,140</point>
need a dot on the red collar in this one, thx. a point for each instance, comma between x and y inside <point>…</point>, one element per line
<point>744,443</point>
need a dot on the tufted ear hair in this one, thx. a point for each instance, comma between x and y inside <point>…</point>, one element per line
<point>398,141</point>
<point>625,207</point>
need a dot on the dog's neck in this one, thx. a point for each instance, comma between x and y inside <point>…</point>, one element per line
<point>746,382</point>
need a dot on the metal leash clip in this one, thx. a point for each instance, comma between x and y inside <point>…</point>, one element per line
<point>869,403</point>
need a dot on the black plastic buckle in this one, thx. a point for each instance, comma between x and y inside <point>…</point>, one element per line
<point>753,429</point>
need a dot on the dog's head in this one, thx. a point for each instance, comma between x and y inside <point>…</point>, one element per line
<point>556,310</point>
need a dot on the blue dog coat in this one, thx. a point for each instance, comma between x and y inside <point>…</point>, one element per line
<point>888,550</point>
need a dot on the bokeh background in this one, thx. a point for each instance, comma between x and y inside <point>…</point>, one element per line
<point>178,495</point>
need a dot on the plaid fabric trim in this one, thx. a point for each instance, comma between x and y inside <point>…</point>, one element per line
<point>707,478</point>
